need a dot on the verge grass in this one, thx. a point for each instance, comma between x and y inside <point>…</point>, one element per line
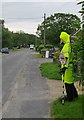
<point>15,49</point>
<point>68,110</point>
<point>39,56</point>
<point>50,70</point>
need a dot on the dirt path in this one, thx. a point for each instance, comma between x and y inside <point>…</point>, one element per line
<point>56,89</point>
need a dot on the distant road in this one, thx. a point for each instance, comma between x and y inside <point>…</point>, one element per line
<point>11,65</point>
<point>25,92</point>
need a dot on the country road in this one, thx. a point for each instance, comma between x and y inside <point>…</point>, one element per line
<point>11,65</point>
<point>24,91</point>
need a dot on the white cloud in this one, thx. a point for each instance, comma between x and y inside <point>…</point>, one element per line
<point>26,16</point>
<point>26,26</point>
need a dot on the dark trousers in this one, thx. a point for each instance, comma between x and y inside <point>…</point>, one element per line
<point>71,91</point>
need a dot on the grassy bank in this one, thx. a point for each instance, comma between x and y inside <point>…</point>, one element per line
<point>50,70</point>
<point>39,56</point>
<point>69,110</point>
<point>15,49</point>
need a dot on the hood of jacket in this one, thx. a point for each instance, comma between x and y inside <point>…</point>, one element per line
<point>65,37</point>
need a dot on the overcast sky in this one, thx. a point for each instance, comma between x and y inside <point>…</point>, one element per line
<point>27,15</point>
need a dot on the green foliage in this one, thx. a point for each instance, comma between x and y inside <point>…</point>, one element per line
<point>23,39</point>
<point>40,47</point>
<point>69,110</point>
<point>6,38</point>
<point>36,48</point>
<point>56,57</point>
<point>50,70</point>
<point>10,39</point>
<point>39,55</point>
<point>48,46</point>
<point>82,9</point>
<point>78,57</point>
<point>56,54</point>
<point>55,24</point>
<point>81,45</point>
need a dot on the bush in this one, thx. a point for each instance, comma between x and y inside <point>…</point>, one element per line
<point>69,110</point>
<point>48,46</point>
<point>56,56</point>
<point>78,49</point>
<point>40,47</point>
<point>36,48</point>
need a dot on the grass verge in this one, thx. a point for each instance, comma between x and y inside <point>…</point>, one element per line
<point>50,70</point>
<point>15,49</point>
<point>69,110</point>
<point>39,56</point>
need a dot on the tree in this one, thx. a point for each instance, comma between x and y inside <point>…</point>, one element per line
<point>6,38</point>
<point>10,39</point>
<point>78,49</point>
<point>81,36</point>
<point>82,9</point>
<point>57,23</point>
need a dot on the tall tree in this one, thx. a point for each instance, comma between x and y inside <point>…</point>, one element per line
<point>81,55</point>
<point>57,23</point>
<point>6,38</point>
<point>10,39</point>
<point>82,9</point>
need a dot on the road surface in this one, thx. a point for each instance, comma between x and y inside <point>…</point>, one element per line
<point>24,91</point>
<point>11,65</point>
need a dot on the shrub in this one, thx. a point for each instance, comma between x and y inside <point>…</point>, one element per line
<point>48,46</point>
<point>77,48</point>
<point>40,47</point>
<point>36,48</point>
<point>56,56</point>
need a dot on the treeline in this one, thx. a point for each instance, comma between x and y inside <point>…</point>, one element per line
<point>10,39</point>
<point>19,39</point>
<point>78,49</point>
<point>55,24</point>
<point>53,27</point>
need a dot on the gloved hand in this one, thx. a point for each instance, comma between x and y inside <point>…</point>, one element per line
<point>62,70</point>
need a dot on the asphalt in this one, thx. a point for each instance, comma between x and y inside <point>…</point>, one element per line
<point>11,65</point>
<point>29,97</point>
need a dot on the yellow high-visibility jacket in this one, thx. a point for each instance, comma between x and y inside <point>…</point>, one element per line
<point>66,50</point>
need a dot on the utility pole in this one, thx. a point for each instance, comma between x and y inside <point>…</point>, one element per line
<point>44,29</point>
